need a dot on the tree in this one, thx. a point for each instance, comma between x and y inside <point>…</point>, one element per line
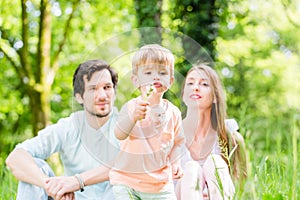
<point>36,67</point>
<point>148,14</point>
<point>198,19</point>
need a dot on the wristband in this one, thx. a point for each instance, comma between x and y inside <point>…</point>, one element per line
<point>79,179</point>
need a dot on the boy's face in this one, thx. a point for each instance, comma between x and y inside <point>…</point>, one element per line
<point>156,75</point>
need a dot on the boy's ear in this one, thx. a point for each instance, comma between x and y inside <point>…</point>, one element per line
<point>135,81</point>
<point>79,98</point>
<point>171,80</point>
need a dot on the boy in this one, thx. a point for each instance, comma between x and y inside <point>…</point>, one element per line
<point>150,130</point>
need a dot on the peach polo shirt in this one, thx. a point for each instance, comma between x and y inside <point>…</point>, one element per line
<point>144,162</point>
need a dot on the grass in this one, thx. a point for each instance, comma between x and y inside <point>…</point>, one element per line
<point>8,184</point>
<point>273,175</point>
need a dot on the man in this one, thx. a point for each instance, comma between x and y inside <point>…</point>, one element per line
<point>85,141</point>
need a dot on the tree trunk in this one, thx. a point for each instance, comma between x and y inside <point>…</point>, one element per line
<point>198,19</point>
<point>40,116</point>
<point>148,15</point>
<point>36,70</point>
<point>39,92</point>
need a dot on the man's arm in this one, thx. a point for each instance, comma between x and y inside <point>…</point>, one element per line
<point>24,168</point>
<point>58,186</point>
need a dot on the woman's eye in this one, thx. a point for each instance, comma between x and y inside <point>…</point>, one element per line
<point>189,83</point>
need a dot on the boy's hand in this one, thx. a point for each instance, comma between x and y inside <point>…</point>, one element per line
<point>177,171</point>
<point>140,110</point>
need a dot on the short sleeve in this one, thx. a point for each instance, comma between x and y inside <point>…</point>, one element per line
<point>49,140</point>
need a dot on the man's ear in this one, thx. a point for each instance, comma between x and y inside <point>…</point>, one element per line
<point>79,98</point>
<point>135,81</point>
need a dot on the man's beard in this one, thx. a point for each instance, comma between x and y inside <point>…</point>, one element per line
<point>99,115</point>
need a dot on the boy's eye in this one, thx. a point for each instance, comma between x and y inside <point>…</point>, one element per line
<point>163,72</point>
<point>148,72</point>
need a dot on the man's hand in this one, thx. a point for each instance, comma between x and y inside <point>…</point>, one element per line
<point>68,196</point>
<point>61,187</point>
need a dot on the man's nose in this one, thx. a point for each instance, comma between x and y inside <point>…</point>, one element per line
<point>100,93</point>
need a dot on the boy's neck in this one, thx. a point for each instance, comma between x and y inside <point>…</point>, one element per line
<point>155,99</point>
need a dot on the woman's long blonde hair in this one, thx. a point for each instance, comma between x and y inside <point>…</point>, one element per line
<point>238,164</point>
<point>218,107</point>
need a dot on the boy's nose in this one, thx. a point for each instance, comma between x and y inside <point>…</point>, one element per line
<point>156,76</point>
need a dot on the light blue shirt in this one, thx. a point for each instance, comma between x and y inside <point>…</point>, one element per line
<point>80,147</point>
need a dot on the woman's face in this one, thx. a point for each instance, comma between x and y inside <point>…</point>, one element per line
<point>197,91</point>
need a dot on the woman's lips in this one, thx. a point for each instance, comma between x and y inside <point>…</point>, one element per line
<point>195,96</point>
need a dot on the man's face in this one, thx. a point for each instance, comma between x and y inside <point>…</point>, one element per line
<point>99,94</point>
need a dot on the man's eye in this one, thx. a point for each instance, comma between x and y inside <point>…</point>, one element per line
<point>107,87</point>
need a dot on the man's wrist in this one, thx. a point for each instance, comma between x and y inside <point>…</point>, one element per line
<point>80,181</point>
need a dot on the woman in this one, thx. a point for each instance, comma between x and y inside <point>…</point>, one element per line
<point>210,139</point>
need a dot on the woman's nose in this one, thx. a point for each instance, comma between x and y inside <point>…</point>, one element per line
<point>195,87</point>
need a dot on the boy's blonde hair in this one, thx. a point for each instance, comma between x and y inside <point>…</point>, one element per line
<point>152,54</point>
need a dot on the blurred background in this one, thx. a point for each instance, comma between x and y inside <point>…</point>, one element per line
<point>254,46</point>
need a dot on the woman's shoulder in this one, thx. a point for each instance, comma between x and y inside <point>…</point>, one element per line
<point>232,128</point>
<point>231,125</point>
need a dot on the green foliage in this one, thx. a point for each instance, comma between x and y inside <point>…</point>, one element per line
<point>198,19</point>
<point>86,33</point>
<point>257,63</point>
<point>255,45</point>
<point>8,183</point>
<point>148,14</point>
